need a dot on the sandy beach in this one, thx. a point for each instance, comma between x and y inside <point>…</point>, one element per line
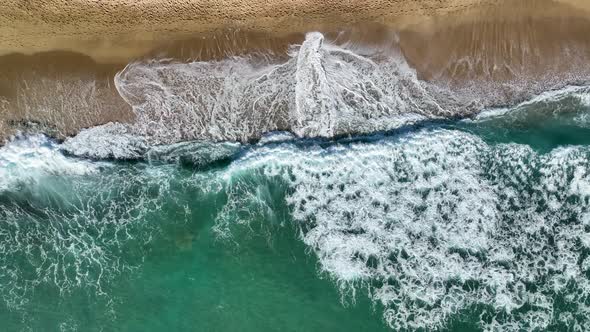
<point>295,165</point>
<point>119,30</point>
<point>54,46</point>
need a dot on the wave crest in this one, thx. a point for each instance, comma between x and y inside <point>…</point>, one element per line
<point>437,223</point>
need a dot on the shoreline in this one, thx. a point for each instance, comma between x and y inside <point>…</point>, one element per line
<point>119,30</point>
<point>58,60</point>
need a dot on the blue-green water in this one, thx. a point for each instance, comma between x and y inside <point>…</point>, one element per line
<point>450,225</point>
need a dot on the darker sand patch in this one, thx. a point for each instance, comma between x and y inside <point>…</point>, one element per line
<point>523,38</point>
<point>58,93</point>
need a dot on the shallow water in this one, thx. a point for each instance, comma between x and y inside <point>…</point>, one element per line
<point>449,224</point>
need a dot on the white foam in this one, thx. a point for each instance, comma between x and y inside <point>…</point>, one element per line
<point>28,159</point>
<point>196,153</point>
<point>436,222</point>
<point>581,93</point>
<point>67,224</point>
<point>320,90</point>
<point>274,137</point>
<point>107,141</point>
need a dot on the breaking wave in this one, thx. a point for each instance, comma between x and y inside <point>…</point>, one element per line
<point>320,88</point>
<point>29,159</point>
<point>436,220</point>
<point>437,223</point>
<point>571,99</point>
<point>69,227</point>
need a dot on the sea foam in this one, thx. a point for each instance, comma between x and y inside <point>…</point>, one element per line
<point>438,222</point>
<point>319,90</point>
<point>28,159</point>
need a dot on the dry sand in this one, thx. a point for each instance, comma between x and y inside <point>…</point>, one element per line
<point>117,30</point>
<point>58,57</point>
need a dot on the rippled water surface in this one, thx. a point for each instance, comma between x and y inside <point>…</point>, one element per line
<point>449,224</point>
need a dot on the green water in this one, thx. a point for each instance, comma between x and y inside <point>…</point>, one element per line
<point>182,279</point>
<point>281,237</point>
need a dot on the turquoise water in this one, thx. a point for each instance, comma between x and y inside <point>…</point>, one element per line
<point>452,225</point>
<point>137,252</point>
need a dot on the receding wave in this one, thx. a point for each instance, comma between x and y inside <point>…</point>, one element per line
<point>320,90</point>
<point>436,218</point>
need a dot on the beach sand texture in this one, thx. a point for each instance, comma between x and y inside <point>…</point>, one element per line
<point>117,30</point>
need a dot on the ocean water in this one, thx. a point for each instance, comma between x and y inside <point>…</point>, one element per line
<point>455,225</point>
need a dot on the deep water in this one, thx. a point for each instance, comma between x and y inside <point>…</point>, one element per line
<point>459,225</point>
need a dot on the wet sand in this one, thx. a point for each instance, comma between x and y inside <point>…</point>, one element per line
<point>58,58</point>
<point>58,93</point>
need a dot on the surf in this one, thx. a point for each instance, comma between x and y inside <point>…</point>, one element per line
<point>429,222</point>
